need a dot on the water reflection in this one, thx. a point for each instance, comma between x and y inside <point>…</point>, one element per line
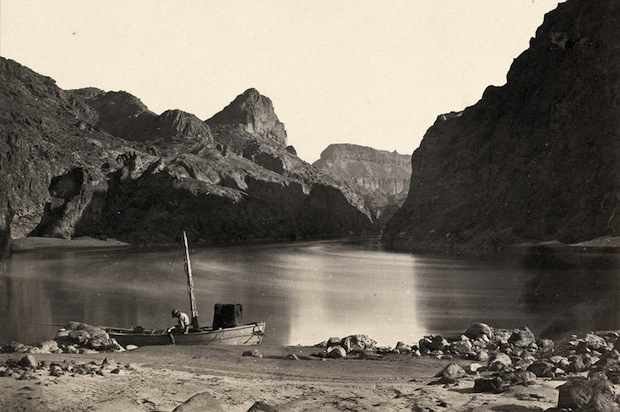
<point>578,291</point>
<point>309,291</point>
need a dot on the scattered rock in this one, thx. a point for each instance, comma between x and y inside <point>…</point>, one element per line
<point>545,345</point>
<point>253,353</point>
<point>402,347</point>
<point>542,368</point>
<point>260,406</point>
<point>78,337</point>
<point>198,403</point>
<point>482,356</point>
<point>49,346</point>
<point>333,341</point>
<point>433,343</point>
<point>499,361</point>
<point>594,342</point>
<point>12,347</point>
<point>493,385</point>
<point>463,346</point>
<point>577,364</point>
<point>472,368</point>
<point>522,337</point>
<point>28,361</point>
<point>337,352</point>
<point>476,330</point>
<point>358,343</point>
<point>56,370</point>
<point>450,374</point>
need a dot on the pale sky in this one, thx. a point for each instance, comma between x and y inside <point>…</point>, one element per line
<point>368,72</point>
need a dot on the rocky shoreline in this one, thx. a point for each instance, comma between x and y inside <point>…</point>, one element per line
<point>483,360</point>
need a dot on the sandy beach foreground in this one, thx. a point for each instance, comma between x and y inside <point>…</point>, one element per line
<point>162,378</point>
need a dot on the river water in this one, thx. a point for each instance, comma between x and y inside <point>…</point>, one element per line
<point>310,291</point>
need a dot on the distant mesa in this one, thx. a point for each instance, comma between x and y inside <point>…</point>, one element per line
<point>381,178</point>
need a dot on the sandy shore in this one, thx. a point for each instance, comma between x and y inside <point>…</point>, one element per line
<point>161,378</point>
<point>36,243</point>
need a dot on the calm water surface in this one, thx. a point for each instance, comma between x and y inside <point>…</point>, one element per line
<point>309,291</point>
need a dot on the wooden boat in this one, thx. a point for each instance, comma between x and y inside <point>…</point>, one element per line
<point>248,334</point>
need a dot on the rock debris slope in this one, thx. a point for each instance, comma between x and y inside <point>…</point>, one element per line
<point>537,159</point>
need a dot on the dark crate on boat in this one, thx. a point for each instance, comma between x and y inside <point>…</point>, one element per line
<point>227,315</point>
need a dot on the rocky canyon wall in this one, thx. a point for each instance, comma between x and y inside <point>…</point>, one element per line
<point>535,160</point>
<point>94,163</point>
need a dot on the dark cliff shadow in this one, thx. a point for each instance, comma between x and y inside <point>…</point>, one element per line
<point>578,291</point>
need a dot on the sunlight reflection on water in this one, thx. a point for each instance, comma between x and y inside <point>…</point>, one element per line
<point>305,291</point>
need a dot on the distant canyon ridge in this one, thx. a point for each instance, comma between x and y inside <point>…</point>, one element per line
<point>380,177</point>
<point>535,160</point>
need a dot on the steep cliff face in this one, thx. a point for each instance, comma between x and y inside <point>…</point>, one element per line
<point>88,162</point>
<point>380,177</point>
<point>537,159</point>
<point>44,132</point>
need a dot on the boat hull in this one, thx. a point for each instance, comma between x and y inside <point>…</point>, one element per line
<point>250,334</point>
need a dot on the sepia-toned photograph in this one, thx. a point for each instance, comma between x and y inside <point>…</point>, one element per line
<point>295,206</point>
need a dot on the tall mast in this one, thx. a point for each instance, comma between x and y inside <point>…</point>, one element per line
<point>190,285</point>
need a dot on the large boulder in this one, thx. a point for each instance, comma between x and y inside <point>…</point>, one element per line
<point>337,352</point>
<point>499,361</point>
<point>433,343</point>
<point>583,394</point>
<point>358,343</point>
<point>477,329</point>
<point>522,337</point>
<point>82,335</point>
<point>28,361</point>
<point>594,342</point>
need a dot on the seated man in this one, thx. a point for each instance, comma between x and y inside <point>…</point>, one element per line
<point>183,324</point>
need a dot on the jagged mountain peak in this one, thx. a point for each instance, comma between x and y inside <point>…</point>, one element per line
<point>254,114</point>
